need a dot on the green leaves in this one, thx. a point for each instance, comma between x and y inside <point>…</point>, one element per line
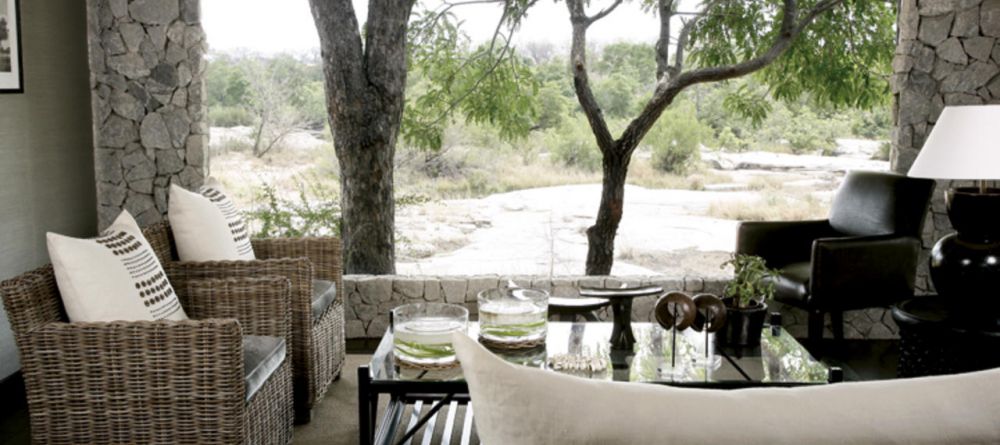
<point>316,212</point>
<point>676,138</point>
<point>750,104</point>
<point>487,85</point>
<point>750,281</point>
<point>842,59</point>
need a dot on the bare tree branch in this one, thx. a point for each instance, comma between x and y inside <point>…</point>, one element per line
<point>581,81</point>
<point>790,28</point>
<point>604,12</point>
<point>665,10</point>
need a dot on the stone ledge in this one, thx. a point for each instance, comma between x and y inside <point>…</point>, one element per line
<point>370,297</point>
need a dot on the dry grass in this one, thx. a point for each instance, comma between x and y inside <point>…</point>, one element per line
<point>643,174</point>
<point>765,183</point>
<point>771,207</point>
<point>477,174</point>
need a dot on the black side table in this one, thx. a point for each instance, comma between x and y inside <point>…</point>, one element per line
<point>938,337</point>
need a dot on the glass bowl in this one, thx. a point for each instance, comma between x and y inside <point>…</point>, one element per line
<point>513,315</point>
<point>422,332</point>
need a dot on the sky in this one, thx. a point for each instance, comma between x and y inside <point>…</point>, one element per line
<point>261,26</point>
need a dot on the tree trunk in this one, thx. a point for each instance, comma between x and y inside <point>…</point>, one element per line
<point>366,186</point>
<point>601,236</point>
<point>364,89</point>
<point>258,136</point>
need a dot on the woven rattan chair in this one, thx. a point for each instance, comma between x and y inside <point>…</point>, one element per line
<point>160,382</point>
<point>317,334</point>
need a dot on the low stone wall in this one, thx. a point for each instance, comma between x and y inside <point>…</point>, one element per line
<point>369,299</point>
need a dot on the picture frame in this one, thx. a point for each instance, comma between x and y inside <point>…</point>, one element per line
<point>11,69</point>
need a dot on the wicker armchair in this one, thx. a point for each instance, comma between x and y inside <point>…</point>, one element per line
<point>317,337</point>
<point>177,382</point>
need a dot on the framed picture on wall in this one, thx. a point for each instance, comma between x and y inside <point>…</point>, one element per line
<point>11,73</point>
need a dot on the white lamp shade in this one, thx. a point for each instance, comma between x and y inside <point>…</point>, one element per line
<point>964,144</point>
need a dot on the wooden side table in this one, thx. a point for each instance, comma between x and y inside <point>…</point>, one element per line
<point>938,337</point>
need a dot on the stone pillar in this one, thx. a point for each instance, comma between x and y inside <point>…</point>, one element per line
<point>947,54</point>
<point>146,64</point>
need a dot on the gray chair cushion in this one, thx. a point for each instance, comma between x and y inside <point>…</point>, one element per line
<point>261,358</point>
<point>324,292</point>
<point>792,286</point>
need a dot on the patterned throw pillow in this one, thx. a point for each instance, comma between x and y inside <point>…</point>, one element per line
<point>207,225</point>
<point>114,277</point>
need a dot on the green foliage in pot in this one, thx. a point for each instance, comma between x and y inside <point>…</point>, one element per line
<point>749,284</point>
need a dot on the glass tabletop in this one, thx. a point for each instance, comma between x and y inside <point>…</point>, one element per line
<point>780,359</point>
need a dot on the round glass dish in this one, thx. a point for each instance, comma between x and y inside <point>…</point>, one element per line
<point>513,315</point>
<point>422,332</point>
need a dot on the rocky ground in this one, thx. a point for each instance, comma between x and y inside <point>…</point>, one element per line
<point>542,231</point>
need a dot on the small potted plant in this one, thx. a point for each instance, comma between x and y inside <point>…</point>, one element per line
<point>745,298</point>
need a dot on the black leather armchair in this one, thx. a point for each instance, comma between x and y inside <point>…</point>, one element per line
<point>865,255</point>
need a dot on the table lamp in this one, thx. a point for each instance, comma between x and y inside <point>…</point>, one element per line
<point>965,145</point>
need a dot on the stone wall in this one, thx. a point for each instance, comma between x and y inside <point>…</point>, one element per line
<point>369,299</point>
<point>146,63</point>
<point>948,54</point>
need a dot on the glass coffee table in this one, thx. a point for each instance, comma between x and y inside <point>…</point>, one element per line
<point>433,406</point>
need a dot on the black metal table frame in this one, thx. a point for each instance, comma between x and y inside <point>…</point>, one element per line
<point>441,393</point>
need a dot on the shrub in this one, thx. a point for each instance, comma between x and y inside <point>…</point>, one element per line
<point>675,139</point>
<point>729,141</point>
<point>223,116</point>
<point>316,212</point>
<point>573,145</point>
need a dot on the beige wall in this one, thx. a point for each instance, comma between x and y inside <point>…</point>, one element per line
<point>46,148</point>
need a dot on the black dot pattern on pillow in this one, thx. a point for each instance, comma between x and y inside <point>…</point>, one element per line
<point>149,280</point>
<point>237,226</point>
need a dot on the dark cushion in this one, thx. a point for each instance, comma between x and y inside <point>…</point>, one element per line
<point>792,285</point>
<point>324,292</point>
<point>261,358</point>
<point>879,203</point>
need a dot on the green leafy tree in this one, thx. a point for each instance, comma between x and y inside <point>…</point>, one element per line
<point>635,61</point>
<point>676,139</point>
<point>571,146</point>
<point>615,93</point>
<point>553,106</point>
<point>837,51</point>
<point>365,69</point>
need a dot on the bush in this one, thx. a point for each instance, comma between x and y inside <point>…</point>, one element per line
<point>729,141</point>
<point>223,116</point>
<point>316,212</point>
<point>675,139</point>
<point>573,145</point>
<point>553,106</point>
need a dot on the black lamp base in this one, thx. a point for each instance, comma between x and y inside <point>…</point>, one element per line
<point>965,266</point>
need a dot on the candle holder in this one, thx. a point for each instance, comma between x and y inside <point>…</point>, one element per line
<point>710,317</point>
<point>675,311</point>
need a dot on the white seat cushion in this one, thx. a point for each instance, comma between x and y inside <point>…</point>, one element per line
<point>516,404</point>
<point>207,225</point>
<point>114,277</point>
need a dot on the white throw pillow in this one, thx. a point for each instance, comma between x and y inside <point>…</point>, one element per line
<point>207,225</point>
<point>525,406</point>
<point>114,277</point>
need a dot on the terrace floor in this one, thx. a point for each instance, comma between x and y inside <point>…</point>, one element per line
<point>335,419</point>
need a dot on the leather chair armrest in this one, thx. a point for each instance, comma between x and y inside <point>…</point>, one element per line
<point>780,242</point>
<point>866,271</point>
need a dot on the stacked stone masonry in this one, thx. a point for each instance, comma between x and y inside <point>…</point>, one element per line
<point>948,54</point>
<point>147,66</point>
<point>370,298</point>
